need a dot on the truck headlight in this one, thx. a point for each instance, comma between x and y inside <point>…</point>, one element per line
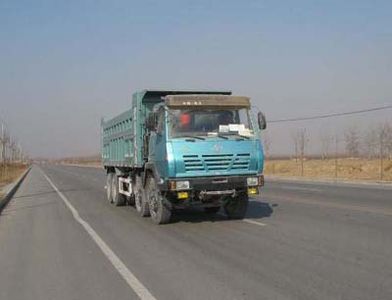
<point>252,181</point>
<point>179,185</point>
<point>182,185</point>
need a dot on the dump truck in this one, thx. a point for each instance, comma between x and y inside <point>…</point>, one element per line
<point>177,149</point>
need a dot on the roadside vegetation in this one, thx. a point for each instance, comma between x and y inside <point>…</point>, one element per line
<point>13,160</point>
<point>10,172</point>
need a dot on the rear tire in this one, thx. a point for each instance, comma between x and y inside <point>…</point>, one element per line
<point>117,198</point>
<point>235,208</point>
<point>109,179</point>
<point>160,214</point>
<point>141,204</point>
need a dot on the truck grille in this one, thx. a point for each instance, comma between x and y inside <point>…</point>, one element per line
<point>193,163</point>
<point>216,162</point>
<point>241,161</point>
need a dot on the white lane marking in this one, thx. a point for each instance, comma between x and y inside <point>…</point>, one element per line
<point>130,278</point>
<point>297,188</point>
<point>254,222</point>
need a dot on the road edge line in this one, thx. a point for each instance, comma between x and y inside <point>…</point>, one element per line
<point>121,268</point>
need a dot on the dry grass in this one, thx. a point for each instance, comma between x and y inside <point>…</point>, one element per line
<point>10,172</point>
<point>347,169</point>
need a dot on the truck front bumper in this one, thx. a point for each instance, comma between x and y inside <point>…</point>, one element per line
<point>209,191</point>
<point>210,187</point>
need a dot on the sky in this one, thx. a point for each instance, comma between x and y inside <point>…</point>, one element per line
<point>66,64</point>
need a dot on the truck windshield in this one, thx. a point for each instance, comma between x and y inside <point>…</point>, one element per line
<point>210,122</point>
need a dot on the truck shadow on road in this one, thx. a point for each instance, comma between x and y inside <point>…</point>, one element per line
<point>256,210</point>
<point>259,209</point>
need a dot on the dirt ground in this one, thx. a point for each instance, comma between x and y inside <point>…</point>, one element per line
<point>346,168</point>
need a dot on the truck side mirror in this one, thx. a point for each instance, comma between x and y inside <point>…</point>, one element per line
<point>152,121</point>
<point>261,120</point>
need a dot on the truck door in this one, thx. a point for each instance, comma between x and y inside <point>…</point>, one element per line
<point>157,145</point>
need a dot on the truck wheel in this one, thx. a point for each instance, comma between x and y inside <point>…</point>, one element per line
<point>211,210</point>
<point>235,208</point>
<point>159,213</point>
<point>140,198</point>
<point>109,179</point>
<point>117,198</point>
<point>130,200</point>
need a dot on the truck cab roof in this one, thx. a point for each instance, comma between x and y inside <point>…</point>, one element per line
<point>157,95</point>
<point>204,100</point>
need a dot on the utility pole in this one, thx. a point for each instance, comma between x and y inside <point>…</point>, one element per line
<point>381,136</point>
<point>303,140</point>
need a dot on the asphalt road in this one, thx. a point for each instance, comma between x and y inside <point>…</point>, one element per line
<point>299,241</point>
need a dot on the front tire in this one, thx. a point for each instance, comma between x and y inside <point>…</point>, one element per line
<point>141,204</point>
<point>235,208</point>
<point>160,214</point>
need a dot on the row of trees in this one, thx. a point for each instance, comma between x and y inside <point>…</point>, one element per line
<point>375,142</point>
<point>372,143</point>
<point>10,150</point>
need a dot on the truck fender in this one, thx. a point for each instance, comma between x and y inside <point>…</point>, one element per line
<point>150,169</point>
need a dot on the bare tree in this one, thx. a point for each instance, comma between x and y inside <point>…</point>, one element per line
<point>5,143</point>
<point>383,136</point>
<point>351,137</point>
<point>370,143</point>
<point>10,149</point>
<point>2,144</point>
<point>295,138</point>
<point>388,141</point>
<point>267,144</point>
<point>326,140</point>
<point>336,141</point>
<point>4,151</point>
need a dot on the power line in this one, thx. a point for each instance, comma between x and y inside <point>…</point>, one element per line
<point>332,115</point>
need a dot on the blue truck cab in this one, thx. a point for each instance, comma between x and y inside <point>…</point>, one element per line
<point>178,149</point>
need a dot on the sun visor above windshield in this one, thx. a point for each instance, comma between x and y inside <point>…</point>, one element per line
<point>206,100</point>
